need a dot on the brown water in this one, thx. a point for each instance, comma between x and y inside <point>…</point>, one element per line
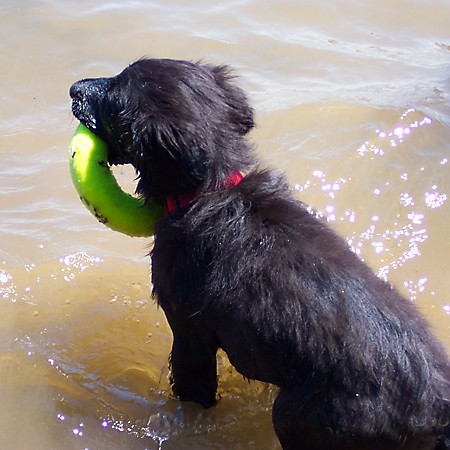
<point>352,101</point>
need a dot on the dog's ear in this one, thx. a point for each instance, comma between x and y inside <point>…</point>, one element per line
<point>240,112</point>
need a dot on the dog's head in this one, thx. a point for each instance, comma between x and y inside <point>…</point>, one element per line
<point>181,125</point>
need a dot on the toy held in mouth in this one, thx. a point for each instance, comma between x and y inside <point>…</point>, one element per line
<point>100,192</point>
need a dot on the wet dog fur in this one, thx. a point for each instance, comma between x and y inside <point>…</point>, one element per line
<point>247,268</point>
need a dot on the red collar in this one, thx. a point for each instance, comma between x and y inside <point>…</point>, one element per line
<point>176,202</point>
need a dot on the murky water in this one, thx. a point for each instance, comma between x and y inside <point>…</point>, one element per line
<point>352,101</point>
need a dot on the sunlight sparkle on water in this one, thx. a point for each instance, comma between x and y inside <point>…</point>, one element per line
<point>415,288</point>
<point>4,276</point>
<point>351,216</point>
<point>77,431</point>
<point>416,218</point>
<point>80,260</point>
<point>406,200</point>
<point>378,247</point>
<point>395,136</point>
<point>331,217</point>
<point>434,199</point>
<point>401,240</point>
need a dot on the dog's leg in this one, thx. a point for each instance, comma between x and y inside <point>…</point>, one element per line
<point>296,425</point>
<point>193,363</point>
<point>293,432</point>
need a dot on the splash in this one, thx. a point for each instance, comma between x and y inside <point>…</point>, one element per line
<point>140,431</point>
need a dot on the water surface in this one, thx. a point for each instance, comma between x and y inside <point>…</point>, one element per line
<point>352,102</point>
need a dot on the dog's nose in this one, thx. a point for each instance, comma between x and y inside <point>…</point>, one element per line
<point>91,87</point>
<point>75,91</point>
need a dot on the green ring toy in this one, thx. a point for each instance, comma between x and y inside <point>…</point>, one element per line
<point>100,192</point>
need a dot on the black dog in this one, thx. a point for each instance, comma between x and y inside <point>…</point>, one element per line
<point>239,264</point>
